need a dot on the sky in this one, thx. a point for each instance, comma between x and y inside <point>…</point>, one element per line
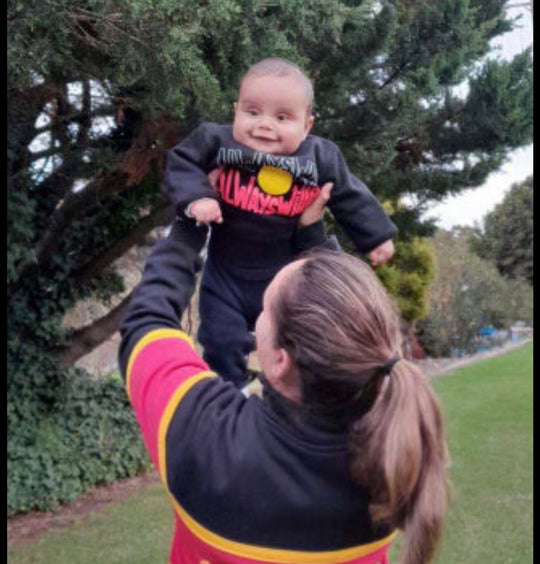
<point>470,206</point>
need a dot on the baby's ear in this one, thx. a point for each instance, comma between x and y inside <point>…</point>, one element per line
<point>309,124</point>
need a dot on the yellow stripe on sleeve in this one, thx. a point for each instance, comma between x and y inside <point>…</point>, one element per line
<point>150,337</point>
<point>170,410</point>
<point>274,555</point>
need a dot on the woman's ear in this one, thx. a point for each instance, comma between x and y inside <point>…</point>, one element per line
<point>282,364</point>
<point>285,376</point>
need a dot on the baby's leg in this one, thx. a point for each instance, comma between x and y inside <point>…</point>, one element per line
<point>224,329</point>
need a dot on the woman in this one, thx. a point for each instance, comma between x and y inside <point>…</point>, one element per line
<point>345,447</point>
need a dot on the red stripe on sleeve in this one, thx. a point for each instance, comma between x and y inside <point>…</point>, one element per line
<point>156,370</point>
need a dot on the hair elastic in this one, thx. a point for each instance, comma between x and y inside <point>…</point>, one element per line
<point>387,367</point>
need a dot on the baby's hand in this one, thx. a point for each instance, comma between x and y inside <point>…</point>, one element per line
<point>205,210</point>
<point>383,253</point>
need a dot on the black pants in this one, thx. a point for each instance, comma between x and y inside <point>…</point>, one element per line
<point>229,305</point>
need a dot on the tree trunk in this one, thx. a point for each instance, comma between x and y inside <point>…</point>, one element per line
<point>407,331</point>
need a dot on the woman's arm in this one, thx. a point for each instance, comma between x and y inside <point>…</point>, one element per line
<point>166,286</point>
<point>158,360</point>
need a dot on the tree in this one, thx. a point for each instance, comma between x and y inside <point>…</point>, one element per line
<point>467,294</point>
<point>507,234</point>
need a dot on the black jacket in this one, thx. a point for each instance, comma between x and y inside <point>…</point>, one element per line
<point>250,479</point>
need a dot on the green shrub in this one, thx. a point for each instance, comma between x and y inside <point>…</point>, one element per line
<point>86,436</point>
<point>407,277</point>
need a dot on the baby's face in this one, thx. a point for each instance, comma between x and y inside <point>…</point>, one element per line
<point>272,114</point>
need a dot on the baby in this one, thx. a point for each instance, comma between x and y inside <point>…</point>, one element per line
<point>270,170</point>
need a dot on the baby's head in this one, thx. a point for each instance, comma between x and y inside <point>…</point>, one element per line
<point>273,112</point>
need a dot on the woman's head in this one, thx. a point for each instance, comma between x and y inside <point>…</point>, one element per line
<point>330,314</point>
<point>328,338</point>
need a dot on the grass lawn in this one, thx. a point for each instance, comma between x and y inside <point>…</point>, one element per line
<point>488,408</point>
<point>137,531</point>
<point>489,415</point>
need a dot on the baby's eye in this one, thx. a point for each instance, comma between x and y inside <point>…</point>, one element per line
<point>283,117</point>
<point>252,112</point>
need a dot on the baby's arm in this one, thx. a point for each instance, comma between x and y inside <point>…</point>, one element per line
<point>355,208</point>
<point>188,164</point>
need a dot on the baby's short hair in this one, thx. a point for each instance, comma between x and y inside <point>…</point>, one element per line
<point>281,67</point>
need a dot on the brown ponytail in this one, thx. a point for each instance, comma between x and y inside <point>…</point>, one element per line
<point>402,457</point>
<point>340,327</point>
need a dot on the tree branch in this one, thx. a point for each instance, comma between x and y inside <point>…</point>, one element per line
<point>61,180</point>
<point>87,338</point>
<point>394,75</point>
<point>72,204</point>
<point>137,235</point>
<point>99,143</point>
<point>85,120</point>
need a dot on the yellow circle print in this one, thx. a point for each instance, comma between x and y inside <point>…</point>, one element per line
<point>274,181</point>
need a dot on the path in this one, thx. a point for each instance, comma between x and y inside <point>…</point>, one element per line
<point>441,366</point>
<point>32,526</point>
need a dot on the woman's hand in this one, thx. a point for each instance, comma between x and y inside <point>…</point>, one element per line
<point>315,211</point>
<point>213,176</point>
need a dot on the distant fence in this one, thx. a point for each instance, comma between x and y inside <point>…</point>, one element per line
<point>519,332</point>
<point>489,338</point>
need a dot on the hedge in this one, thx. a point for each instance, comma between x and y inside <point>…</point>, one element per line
<point>87,436</point>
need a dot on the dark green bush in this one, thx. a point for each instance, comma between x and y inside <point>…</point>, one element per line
<point>87,435</point>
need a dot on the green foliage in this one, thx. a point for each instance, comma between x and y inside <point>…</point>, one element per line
<point>66,432</point>
<point>408,277</point>
<point>467,294</point>
<point>85,434</point>
<point>507,235</point>
<point>19,231</point>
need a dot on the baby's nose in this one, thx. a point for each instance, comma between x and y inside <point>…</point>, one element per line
<point>265,122</point>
